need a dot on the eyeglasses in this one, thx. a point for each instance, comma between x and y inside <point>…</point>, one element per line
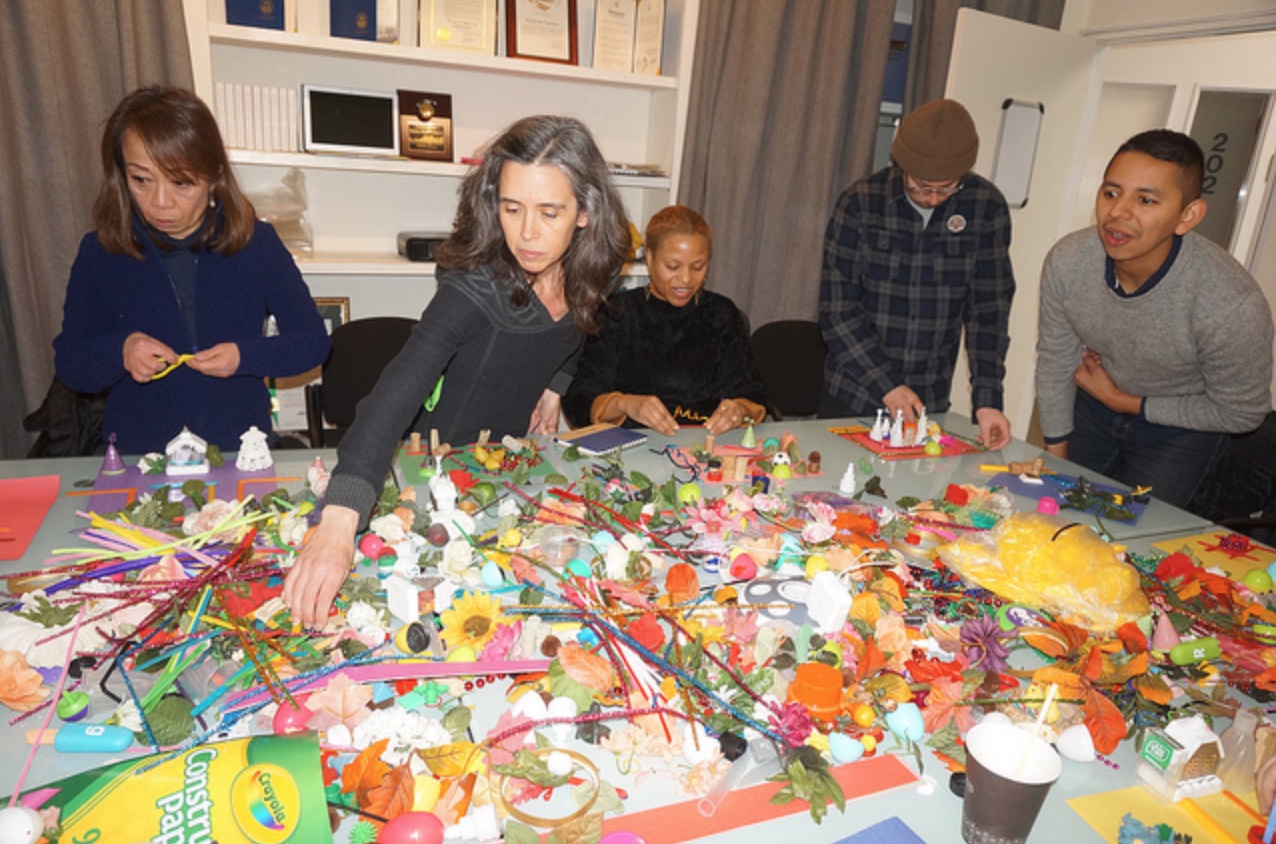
<point>942,191</point>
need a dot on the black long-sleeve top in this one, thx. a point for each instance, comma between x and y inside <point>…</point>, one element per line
<point>692,357</point>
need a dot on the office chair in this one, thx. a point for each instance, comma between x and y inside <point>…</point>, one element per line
<point>790,354</point>
<point>360,350</point>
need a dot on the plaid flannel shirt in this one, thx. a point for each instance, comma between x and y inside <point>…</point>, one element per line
<point>894,296</point>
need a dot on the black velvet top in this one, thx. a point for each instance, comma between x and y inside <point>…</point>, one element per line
<point>691,357</point>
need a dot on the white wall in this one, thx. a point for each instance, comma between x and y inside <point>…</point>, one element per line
<point>1117,19</point>
<point>1035,64</point>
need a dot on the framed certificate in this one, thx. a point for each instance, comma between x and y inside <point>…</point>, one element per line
<point>459,25</point>
<point>614,35</point>
<point>541,29</point>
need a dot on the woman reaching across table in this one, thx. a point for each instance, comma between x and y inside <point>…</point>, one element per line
<point>540,234</point>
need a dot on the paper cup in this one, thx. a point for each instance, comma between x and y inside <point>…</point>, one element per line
<point>1008,774</point>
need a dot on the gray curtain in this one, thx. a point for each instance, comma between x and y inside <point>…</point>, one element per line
<point>783,112</point>
<point>64,64</point>
<point>931,44</point>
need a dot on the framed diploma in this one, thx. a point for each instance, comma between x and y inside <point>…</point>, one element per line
<point>614,35</point>
<point>649,36</point>
<point>541,29</point>
<point>459,25</point>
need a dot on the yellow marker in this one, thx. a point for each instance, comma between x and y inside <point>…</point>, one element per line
<point>992,467</point>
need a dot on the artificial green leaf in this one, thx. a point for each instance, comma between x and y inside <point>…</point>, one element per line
<point>531,767</point>
<point>517,833</point>
<point>457,721</point>
<point>565,686</point>
<point>170,720</point>
<point>215,457</point>
<point>44,613</point>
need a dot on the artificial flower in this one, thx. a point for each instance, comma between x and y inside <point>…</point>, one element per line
<point>471,620</point>
<point>982,639</point>
<point>389,527</point>
<point>21,686</point>
<point>211,517</point>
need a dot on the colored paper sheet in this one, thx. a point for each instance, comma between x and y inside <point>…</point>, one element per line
<point>24,502</point>
<point>1104,812</point>
<point>745,806</point>
<point>1239,556</point>
<point>889,831</point>
<point>950,445</point>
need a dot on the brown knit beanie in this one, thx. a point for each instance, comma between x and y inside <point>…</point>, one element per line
<point>936,142</point>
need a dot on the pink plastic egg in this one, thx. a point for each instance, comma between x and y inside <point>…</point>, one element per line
<point>412,828</point>
<point>372,546</point>
<point>291,719</point>
<point>743,567</point>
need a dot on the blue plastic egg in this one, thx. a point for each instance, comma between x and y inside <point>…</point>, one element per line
<point>845,749</point>
<point>906,722</point>
<point>492,575</point>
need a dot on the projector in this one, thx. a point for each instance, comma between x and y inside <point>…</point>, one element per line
<point>420,246</point>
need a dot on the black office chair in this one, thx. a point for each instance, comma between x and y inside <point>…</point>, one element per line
<point>69,424</point>
<point>790,354</point>
<point>360,350</point>
<point>1240,493</point>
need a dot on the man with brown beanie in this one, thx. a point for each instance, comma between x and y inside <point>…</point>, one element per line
<point>914,254</point>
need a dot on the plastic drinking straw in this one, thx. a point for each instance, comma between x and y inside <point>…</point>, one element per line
<point>1271,825</point>
<point>1036,728</point>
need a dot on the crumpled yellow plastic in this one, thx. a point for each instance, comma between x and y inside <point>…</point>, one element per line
<point>1045,563</point>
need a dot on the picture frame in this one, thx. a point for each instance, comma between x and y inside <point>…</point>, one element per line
<point>458,25</point>
<point>348,121</point>
<point>425,125</point>
<point>334,310</point>
<point>544,30</point>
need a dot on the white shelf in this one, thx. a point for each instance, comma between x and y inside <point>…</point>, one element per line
<point>370,264</point>
<point>402,166</point>
<point>325,46</point>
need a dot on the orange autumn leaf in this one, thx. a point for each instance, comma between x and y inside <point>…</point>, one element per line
<point>1267,680</point>
<point>1132,638</point>
<point>1133,667</point>
<point>1073,635</point>
<point>1104,721</point>
<point>866,608</point>
<point>1070,685</point>
<point>1189,590</point>
<point>871,662</point>
<point>394,796</point>
<point>454,800</point>
<point>1050,642</point>
<point>364,772</point>
<point>1095,664</point>
<point>590,670</point>
<point>682,583</point>
<point>1153,689</point>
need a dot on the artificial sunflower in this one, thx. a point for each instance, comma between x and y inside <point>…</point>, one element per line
<point>471,620</point>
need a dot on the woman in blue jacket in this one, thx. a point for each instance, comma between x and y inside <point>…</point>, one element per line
<point>170,294</point>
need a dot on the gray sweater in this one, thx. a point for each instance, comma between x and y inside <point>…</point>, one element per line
<point>1197,345</point>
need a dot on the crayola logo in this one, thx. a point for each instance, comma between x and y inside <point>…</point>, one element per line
<point>266,804</point>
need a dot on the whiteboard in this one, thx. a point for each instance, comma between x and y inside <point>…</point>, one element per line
<point>1017,149</point>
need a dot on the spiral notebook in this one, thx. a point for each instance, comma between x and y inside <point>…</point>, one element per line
<point>597,440</point>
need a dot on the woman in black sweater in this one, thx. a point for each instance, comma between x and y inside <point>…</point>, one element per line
<point>672,352</point>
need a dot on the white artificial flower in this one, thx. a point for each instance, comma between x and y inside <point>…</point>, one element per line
<point>389,528</point>
<point>616,561</point>
<point>361,616</point>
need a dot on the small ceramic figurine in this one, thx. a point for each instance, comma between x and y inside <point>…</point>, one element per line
<point>881,428</point>
<point>111,463</point>
<point>254,453</point>
<point>187,455</point>
<point>923,429</point>
<point>897,430</point>
<point>444,493</point>
<point>847,485</point>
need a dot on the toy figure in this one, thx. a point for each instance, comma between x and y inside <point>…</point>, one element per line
<point>254,453</point>
<point>897,430</point>
<point>923,429</point>
<point>881,428</point>
<point>846,486</point>
<point>187,455</point>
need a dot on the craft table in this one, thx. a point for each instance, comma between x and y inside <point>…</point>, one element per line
<point>935,818</point>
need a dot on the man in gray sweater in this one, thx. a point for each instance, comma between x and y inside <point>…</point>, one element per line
<point>1167,337</point>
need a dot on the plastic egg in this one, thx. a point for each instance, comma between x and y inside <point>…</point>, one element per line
<point>559,763</point>
<point>906,722</point>
<point>845,749</point>
<point>578,568</point>
<point>933,448</point>
<point>371,546</point>
<point>1076,743</point>
<point>291,718</point>
<point>412,638</point>
<point>743,567</point>
<point>412,828</point>
<point>1257,580</point>
<point>492,575</point>
<point>462,653</point>
<point>20,825</point>
<point>689,493</point>
<point>994,718</point>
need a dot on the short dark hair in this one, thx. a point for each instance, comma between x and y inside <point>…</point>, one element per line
<point>181,135</point>
<point>597,251</point>
<point>1173,148</point>
<point>676,219</point>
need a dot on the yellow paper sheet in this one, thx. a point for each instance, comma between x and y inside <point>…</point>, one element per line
<point>1104,812</point>
<point>1256,557</point>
